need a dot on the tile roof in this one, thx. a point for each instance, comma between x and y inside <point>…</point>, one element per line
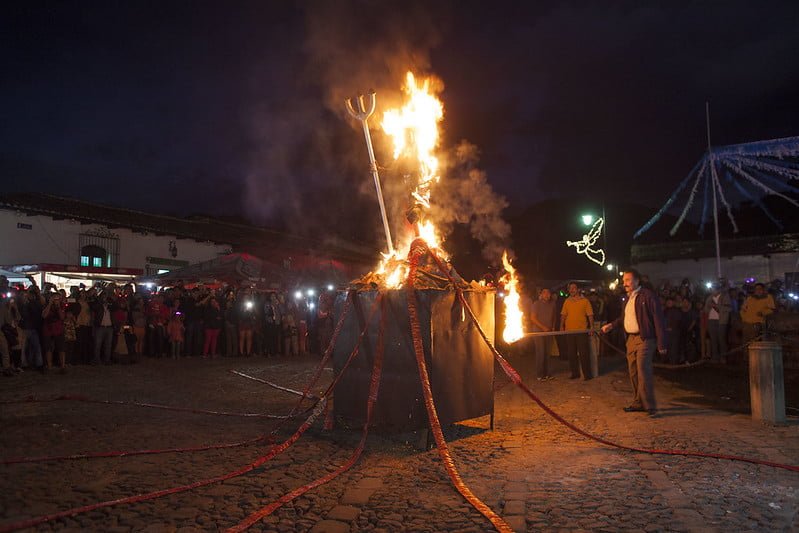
<point>239,236</point>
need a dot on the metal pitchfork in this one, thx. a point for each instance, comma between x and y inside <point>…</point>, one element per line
<point>363,113</point>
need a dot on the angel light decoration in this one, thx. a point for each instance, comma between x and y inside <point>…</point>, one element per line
<point>589,240</point>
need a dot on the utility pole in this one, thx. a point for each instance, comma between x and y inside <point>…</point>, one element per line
<point>715,183</point>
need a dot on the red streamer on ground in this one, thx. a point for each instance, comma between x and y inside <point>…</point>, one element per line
<point>374,387</point>
<point>514,376</point>
<point>86,399</point>
<point>130,453</point>
<point>418,249</point>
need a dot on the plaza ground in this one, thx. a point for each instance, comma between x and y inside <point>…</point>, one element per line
<point>534,472</point>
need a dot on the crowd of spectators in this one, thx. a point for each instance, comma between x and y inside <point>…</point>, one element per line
<point>703,320</point>
<point>106,324</point>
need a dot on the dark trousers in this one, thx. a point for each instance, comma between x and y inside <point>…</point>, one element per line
<point>675,343</point>
<point>541,356</point>
<point>69,352</point>
<point>258,340</point>
<point>103,337</point>
<point>640,356</point>
<point>579,354</point>
<point>231,339</point>
<point>273,339</point>
<point>156,340</point>
<point>194,338</point>
<point>85,347</point>
<point>718,340</point>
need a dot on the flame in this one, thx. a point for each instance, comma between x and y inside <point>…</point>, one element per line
<point>413,129</point>
<point>427,231</point>
<point>514,318</point>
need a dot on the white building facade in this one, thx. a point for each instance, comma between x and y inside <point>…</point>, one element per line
<point>65,241</point>
<point>41,239</point>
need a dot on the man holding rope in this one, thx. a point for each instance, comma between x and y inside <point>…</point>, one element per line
<point>644,324</point>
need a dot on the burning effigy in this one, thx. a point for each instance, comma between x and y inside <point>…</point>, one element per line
<point>417,272</point>
<point>419,330</point>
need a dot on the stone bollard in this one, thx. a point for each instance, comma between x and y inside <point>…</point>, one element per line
<point>766,383</point>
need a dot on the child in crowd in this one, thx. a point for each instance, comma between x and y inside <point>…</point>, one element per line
<point>175,330</point>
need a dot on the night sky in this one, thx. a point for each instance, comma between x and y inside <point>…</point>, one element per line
<point>236,108</point>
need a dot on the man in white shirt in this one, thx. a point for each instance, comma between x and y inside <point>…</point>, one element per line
<point>718,307</point>
<point>643,321</point>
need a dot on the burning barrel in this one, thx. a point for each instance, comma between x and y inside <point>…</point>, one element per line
<point>460,365</point>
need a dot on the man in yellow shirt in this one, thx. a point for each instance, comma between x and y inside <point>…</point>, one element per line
<point>754,311</point>
<point>577,314</point>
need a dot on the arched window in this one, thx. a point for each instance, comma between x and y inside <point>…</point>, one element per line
<point>93,256</point>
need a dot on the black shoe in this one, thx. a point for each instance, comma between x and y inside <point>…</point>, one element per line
<point>653,413</point>
<point>634,409</point>
<point>574,377</point>
<point>586,378</point>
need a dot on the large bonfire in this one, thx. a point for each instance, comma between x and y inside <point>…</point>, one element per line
<point>414,131</point>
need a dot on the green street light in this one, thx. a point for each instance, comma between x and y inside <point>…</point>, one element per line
<point>588,219</point>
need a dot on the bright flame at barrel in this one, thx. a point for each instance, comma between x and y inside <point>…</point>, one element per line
<point>514,318</point>
<point>413,129</point>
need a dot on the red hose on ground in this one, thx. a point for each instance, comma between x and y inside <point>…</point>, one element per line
<point>374,387</point>
<point>513,375</point>
<point>86,399</point>
<point>317,410</point>
<point>105,455</point>
<point>418,248</point>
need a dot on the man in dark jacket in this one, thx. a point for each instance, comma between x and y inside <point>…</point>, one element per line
<point>642,318</point>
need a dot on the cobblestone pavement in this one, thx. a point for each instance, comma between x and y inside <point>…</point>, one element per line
<point>534,472</point>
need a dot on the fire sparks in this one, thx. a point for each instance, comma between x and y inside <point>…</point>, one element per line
<point>413,129</point>
<point>514,318</point>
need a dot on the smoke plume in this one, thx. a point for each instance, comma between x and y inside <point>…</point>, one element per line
<point>463,196</point>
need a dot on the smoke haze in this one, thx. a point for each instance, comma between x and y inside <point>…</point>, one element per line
<point>309,169</point>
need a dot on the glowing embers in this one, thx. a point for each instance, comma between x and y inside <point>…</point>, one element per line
<point>514,317</point>
<point>589,240</point>
<point>392,271</point>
